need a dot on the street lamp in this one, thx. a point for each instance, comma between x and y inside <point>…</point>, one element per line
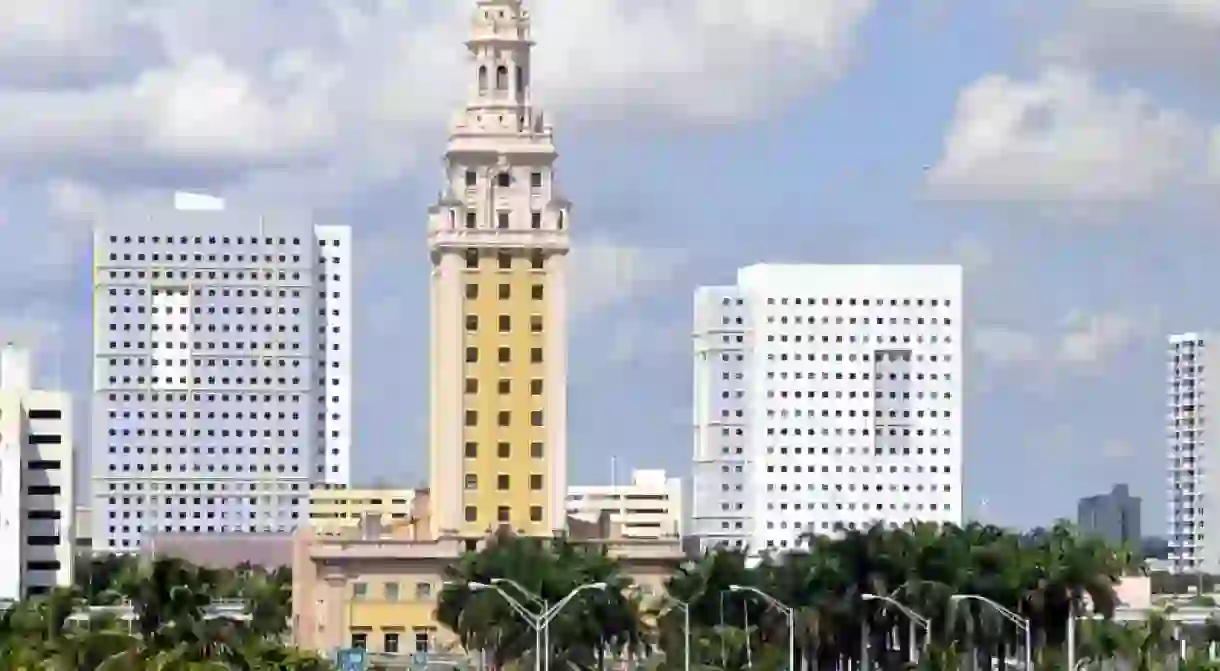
<point>915,618</point>
<point>781,607</point>
<point>542,620</point>
<point>1016,619</point>
<point>546,631</point>
<point>685,608</point>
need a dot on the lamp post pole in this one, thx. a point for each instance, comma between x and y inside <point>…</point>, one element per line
<point>1016,619</point>
<point>781,607</point>
<point>915,619</point>
<point>539,622</point>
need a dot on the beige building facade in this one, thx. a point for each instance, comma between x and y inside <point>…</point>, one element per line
<point>649,506</point>
<point>333,509</point>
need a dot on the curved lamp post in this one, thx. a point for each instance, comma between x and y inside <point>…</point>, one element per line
<point>1016,619</point>
<point>787,610</point>
<point>538,622</point>
<point>915,618</point>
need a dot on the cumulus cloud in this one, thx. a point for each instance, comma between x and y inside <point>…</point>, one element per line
<point>1081,341</point>
<point>1180,38</point>
<point>605,273</point>
<point>1060,137</point>
<point>239,86</point>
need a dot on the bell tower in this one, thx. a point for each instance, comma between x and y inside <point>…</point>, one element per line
<point>498,241</point>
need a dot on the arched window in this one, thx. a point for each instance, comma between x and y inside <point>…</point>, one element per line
<point>482,78</point>
<point>502,78</point>
<point>520,80</point>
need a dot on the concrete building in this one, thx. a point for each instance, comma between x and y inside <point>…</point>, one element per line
<point>222,372</point>
<point>1194,486</point>
<point>83,525</point>
<point>826,395</point>
<point>333,509</point>
<point>376,587</point>
<point>36,481</point>
<point>1114,517</point>
<point>498,238</point>
<point>650,506</point>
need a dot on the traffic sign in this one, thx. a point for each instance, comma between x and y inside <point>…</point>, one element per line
<point>352,659</point>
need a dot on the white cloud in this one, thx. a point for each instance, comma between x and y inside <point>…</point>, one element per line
<point>1061,138</point>
<point>1175,37</point>
<point>605,273</point>
<point>1081,341</point>
<point>236,86</point>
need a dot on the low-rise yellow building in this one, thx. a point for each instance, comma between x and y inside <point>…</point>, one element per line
<point>376,586</point>
<point>335,509</point>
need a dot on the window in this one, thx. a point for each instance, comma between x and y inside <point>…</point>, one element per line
<point>535,180</point>
<point>535,323</point>
<point>472,219</point>
<point>472,291</point>
<point>505,292</point>
<point>502,514</point>
<point>472,322</point>
<point>503,450</point>
<point>471,450</point>
<point>359,591</point>
<point>536,450</point>
<point>391,591</point>
<point>504,355</point>
<point>535,418</point>
<point>360,639</point>
<point>472,514</point>
<point>472,259</point>
<point>535,355</point>
<point>536,292</point>
<point>472,355</point>
<point>536,482</point>
<point>535,220</point>
<point>422,639</point>
<point>502,482</point>
<point>472,418</point>
<point>505,259</point>
<point>472,177</point>
<point>423,591</point>
<point>504,386</point>
<point>504,179</point>
<point>391,642</point>
<point>472,385</point>
<point>536,387</point>
<point>537,261</point>
<point>504,418</point>
<point>506,323</point>
<point>502,220</point>
<point>472,481</point>
<point>535,513</point>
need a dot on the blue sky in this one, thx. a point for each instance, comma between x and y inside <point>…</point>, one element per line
<point>1073,169</point>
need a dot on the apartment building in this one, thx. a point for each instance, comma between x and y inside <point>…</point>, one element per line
<point>36,481</point>
<point>648,506</point>
<point>1114,517</point>
<point>1193,492</point>
<point>498,240</point>
<point>334,509</point>
<point>826,395</point>
<point>222,372</point>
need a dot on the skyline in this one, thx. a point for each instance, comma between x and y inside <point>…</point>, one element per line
<point>1075,271</point>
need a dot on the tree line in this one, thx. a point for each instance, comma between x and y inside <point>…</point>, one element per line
<point>169,625</point>
<point>936,597</point>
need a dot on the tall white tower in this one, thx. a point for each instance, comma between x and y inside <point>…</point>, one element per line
<point>826,395</point>
<point>498,238</point>
<point>1194,484</point>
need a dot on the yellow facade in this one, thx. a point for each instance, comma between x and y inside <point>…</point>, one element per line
<point>335,509</point>
<point>394,611</point>
<point>505,453</point>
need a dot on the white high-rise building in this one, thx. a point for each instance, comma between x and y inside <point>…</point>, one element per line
<point>1194,484</point>
<point>826,395</point>
<point>222,372</point>
<point>36,480</point>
